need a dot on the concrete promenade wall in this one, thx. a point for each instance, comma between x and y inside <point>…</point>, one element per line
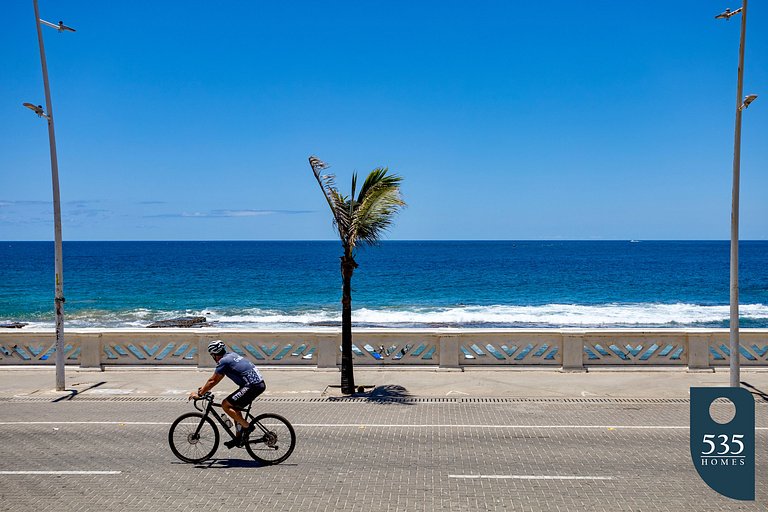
<point>569,349</point>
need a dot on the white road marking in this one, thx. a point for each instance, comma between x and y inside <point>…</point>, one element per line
<point>109,391</point>
<point>85,422</point>
<point>380,425</point>
<point>404,425</point>
<point>60,472</point>
<point>175,392</point>
<point>303,391</point>
<point>531,477</point>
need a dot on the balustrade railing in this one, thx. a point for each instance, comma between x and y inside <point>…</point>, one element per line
<point>566,348</point>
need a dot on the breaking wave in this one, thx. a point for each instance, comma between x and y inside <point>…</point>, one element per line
<point>495,316</point>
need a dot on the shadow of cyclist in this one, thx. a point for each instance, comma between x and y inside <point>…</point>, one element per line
<point>234,464</point>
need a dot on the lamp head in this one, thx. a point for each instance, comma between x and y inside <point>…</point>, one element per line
<point>726,15</point>
<point>62,27</point>
<point>37,109</point>
<point>747,100</point>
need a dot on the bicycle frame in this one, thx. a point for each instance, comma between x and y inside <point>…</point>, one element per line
<point>210,409</point>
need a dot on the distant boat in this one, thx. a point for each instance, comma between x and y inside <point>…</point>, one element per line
<point>634,241</point>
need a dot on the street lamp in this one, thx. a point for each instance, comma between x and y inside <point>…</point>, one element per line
<point>61,27</point>
<point>38,109</point>
<point>741,104</point>
<point>726,15</point>
<point>749,98</point>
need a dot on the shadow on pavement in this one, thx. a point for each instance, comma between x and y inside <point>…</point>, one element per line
<point>73,392</point>
<point>234,463</point>
<point>756,392</point>
<point>384,395</point>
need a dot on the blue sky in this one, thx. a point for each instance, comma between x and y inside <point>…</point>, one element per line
<point>508,120</point>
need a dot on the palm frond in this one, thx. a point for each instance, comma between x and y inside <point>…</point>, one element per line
<point>375,177</point>
<point>367,217</point>
<point>317,165</point>
<point>338,203</point>
<point>327,182</point>
<point>342,215</point>
<point>352,202</point>
<point>378,202</point>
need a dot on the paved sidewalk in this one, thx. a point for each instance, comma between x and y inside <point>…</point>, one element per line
<point>453,456</point>
<point>308,382</point>
<point>110,452</point>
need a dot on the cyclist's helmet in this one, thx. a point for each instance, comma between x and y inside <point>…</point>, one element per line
<point>216,348</point>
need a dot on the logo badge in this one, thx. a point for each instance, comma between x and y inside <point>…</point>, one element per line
<point>724,453</point>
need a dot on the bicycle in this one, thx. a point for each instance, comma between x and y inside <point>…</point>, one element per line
<point>194,437</point>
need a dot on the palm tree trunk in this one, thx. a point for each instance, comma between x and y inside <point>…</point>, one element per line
<point>347,372</point>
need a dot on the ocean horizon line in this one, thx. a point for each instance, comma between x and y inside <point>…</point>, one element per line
<point>488,240</point>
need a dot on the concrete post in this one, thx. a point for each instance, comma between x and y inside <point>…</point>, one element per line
<point>327,351</point>
<point>91,349</point>
<point>449,351</point>
<point>572,346</point>
<point>203,359</point>
<point>698,352</point>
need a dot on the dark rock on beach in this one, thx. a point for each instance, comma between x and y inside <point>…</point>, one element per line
<point>184,321</point>
<point>12,325</point>
<point>325,323</point>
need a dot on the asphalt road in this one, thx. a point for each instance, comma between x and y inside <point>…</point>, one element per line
<point>106,455</point>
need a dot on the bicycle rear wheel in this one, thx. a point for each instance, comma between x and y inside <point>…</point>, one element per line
<point>273,439</point>
<point>193,437</point>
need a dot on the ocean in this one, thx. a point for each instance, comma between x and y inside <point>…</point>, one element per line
<point>404,284</point>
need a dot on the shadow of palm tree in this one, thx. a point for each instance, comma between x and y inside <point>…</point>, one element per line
<point>388,394</point>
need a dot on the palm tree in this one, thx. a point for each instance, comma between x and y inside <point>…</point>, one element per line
<point>358,220</point>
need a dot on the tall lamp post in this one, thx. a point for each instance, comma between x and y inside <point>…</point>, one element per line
<point>59,294</point>
<point>741,104</point>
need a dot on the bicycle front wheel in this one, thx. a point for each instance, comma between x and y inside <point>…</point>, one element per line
<point>273,439</point>
<point>193,437</point>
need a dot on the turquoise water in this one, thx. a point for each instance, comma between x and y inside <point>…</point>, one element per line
<point>398,284</point>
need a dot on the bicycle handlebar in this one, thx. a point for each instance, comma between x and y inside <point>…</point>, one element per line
<point>208,396</point>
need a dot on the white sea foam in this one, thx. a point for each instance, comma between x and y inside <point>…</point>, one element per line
<point>549,315</point>
<point>260,317</point>
<point>566,314</point>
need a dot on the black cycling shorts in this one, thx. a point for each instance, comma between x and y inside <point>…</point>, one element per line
<point>246,394</point>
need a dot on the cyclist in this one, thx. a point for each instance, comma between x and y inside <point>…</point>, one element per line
<point>248,379</point>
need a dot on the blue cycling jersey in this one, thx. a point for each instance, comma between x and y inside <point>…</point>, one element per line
<point>239,369</point>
